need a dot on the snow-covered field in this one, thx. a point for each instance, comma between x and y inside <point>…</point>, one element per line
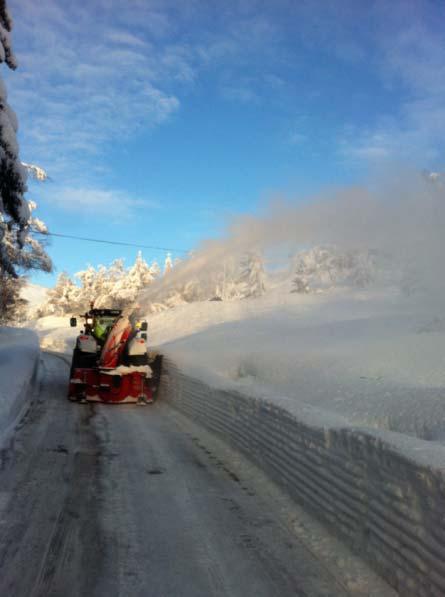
<point>376,359</point>
<point>19,350</point>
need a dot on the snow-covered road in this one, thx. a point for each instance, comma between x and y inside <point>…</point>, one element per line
<point>130,501</point>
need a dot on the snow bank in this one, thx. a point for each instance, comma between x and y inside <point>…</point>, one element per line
<point>55,333</point>
<point>19,355</point>
<point>34,294</point>
<point>375,358</point>
<point>381,492</point>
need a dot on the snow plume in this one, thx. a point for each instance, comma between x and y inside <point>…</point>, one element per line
<point>401,218</point>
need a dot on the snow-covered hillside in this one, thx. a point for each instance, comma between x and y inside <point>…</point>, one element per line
<point>376,358</point>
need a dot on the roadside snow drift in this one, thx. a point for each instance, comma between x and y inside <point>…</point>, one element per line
<point>55,333</point>
<point>19,355</point>
<point>383,493</point>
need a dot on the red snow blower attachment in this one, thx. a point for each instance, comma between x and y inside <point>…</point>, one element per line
<point>111,362</point>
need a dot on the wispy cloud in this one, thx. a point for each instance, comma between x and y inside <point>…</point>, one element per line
<point>93,73</point>
<point>124,38</point>
<point>117,205</point>
<point>409,48</point>
<point>86,81</point>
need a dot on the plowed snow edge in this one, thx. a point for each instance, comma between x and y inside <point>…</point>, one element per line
<point>383,493</point>
<point>19,361</point>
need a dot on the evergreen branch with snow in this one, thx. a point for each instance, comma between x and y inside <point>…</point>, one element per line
<point>36,172</point>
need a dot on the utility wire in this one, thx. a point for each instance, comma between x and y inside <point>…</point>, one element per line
<point>112,242</point>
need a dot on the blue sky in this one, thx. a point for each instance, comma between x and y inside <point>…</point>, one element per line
<point>159,120</point>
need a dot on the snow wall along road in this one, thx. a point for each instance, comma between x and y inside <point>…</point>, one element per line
<point>19,359</point>
<point>383,493</point>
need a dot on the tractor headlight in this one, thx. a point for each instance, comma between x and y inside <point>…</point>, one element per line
<point>89,320</point>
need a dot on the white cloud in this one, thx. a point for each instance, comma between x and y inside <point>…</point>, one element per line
<point>85,81</point>
<point>125,38</point>
<point>96,73</point>
<point>409,49</point>
<point>96,201</point>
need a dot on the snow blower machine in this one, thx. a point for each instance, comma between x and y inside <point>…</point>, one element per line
<point>111,362</point>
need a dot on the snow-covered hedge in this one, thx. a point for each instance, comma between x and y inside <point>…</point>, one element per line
<point>382,492</point>
<point>19,357</point>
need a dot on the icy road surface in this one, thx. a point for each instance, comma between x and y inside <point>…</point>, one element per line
<point>135,501</point>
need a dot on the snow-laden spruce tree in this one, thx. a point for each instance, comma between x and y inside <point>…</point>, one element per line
<point>67,297</point>
<point>300,284</point>
<point>13,306</point>
<point>31,256</point>
<point>322,268</point>
<point>129,283</point>
<point>88,285</point>
<point>115,286</point>
<point>14,210</point>
<point>36,172</point>
<point>186,292</point>
<point>61,299</point>
<point>105,287</point>
<point>251,281</point>
<point>155,270</point>
<point>168,264</point>
<point>140,273</point>
<point>20,251</point>
<point>226,284</point>
<point>119,296</point>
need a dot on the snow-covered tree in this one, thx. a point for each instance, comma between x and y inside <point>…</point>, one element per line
<point>63,298</point>
<point>20,251</point>
<point>119,294</point>
<point>36,172</point>
<point>140,273</point>
<point>14,210</point>
<point>155,270</point>
<point>88,282</point>
<point>129,283</point>
<point>227,283</point>
<point>115,286</point>
<point>321,268</point>
<point>300,285</point>
<point>187,292</point>
<point>168,264</point>
<point>251,281</point>
<point>12,306</point>
<point>31,256</point>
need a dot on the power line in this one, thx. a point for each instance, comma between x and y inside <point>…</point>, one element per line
<point>113,242</point>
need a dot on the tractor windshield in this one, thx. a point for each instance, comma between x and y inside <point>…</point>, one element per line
<point>102,326</point>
